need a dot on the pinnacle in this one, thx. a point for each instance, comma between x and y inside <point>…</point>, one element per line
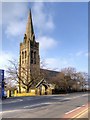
<point>29,26</point>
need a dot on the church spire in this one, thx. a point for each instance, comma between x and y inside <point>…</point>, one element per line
<point>29,27</point>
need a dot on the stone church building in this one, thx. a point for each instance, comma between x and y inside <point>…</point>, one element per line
<point>29,63</point>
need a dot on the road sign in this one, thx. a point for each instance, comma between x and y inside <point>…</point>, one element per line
<point>1,83</point>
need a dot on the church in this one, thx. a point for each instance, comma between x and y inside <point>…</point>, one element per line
<point>30,78</point>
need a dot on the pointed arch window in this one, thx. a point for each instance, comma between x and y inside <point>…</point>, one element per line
<point>35,57</point>
<point>25,54</point>
<point>31,57</point>
<point>31,54</point>
<point>22,55</point>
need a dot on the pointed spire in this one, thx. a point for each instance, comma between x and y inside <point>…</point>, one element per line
<point>29,27</point>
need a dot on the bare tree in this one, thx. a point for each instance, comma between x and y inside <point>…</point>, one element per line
<point>70,80</point>
<point>70,76</point>
<point>69,71</point>
<point>82,78</point>
<point>9,84</point>
<point>26,80</point>
<point>67,79</point>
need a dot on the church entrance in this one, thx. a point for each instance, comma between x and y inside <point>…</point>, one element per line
<point>45,89</point>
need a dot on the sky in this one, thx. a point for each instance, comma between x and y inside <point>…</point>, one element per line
<point>60,28</point>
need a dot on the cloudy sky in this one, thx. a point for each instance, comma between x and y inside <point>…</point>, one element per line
<point>60,28</point>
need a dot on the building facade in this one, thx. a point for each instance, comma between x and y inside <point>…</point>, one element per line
<point>30,74</point>
<point>29,60</point>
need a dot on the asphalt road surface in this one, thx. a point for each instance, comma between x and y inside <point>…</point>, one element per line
<point>50,106</point>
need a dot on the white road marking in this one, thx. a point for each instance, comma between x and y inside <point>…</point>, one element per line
<point>8,111</point>
<point>76,97</point>
<point>73,110</point>
<point>83,105</point>
<point>31,98</point>
<point>14,101</point>
<point>80,114</point>
<point>70,97</point>
<point>38,104</point>
<point>19,100</point>
<point>85,95</point>
<point>67,98</point>
<point>19,110</point>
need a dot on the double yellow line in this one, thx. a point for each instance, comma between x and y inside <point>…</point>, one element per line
<point>80,114</point>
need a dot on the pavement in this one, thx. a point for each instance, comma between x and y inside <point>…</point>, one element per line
<point>50,106</point>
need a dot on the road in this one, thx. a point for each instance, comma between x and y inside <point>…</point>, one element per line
<point>50,106</point>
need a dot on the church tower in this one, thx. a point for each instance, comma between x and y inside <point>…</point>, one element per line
<point>29,60</point>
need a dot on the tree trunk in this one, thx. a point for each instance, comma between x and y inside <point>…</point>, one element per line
<point>19,89</point>
<point>27,89</point>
